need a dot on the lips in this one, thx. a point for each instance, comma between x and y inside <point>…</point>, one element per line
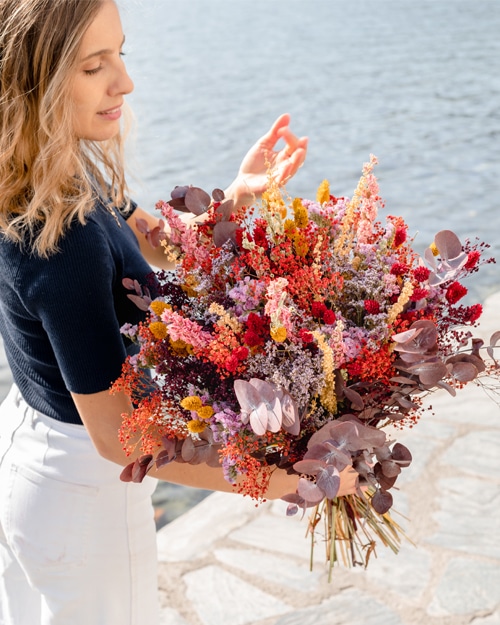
<point>111,114</point>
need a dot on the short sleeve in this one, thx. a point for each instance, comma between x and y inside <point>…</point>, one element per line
<point>74,296</point>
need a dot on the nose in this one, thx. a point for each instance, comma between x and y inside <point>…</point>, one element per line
<point>122,84</point>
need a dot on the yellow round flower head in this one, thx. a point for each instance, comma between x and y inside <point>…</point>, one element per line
<point>193,402</point>
<point>158,330</point>
<point>434,249</point>
<point>158,307</point>
<point>195,426</point>
<point>181,348</point>
<point>278,334</point>
<point>323,193</point>
<point>205,412</point>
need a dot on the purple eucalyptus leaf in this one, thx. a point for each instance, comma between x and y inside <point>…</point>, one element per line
<point>494,339</point>
<point>309,491</point>
<point>448,244</point>
<point>197,200</point>
<point>259,419</point>
<point>126,474</point>
<point>402,455</point>
<point>447,388</point>
<point>164,458</point>
<point>187,449</point>
<point>141,467</point>
<point>464,371</point>
<point>290,413</point>
<point>401,379</point>
<point>178,205</point>
<point>224,231</point>
<point>129,284</point>
<point>218,195</point>
<point>140,302</point>
<point>382,501</point>
<point>225,209</point>
<point>429,372</point>
<point>384,482</point>
<point>420,338</point>
<point>142,225</point>
<point>329,453</point>
<point>309,466</point>
<point>179,192</point>
<point>390,468</point>
<point>328,480</point>
<point>354,397</point>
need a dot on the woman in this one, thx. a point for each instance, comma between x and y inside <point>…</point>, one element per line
<point>77,546</point>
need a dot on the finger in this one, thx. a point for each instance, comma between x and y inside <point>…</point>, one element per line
<point>291,140</point>
<point>291,148</point>
<point>288,167</point>
<point>270,139</point>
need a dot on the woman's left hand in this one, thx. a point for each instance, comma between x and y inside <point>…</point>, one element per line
<point>252,178</point>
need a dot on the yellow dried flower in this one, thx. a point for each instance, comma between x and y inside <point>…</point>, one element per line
<point>181,348</point>
<point>225,318</point>
<point>158,330</point>
<point>158,307</point>
<point>327,395</point>
<point>300,244</point>
<point>278,334</point>
<point>195,426</point>
<point>205,412</point>
<point>290,228</point>
<point>300,214</point>
<point>192,402</point>
<point>356,262</point>
<point>323,193</point>
<point>397,308</point>
<point>434,249</point>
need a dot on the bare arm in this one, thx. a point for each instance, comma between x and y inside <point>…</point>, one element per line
<point>101,414</point>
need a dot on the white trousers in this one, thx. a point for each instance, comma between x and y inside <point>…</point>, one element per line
<point>77,546</point>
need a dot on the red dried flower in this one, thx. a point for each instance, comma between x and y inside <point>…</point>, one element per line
<point>305,336</point>
<point>329,317</point>
<point>252,339</point>
<point>372,307</point>
<point>318,309</point>
<point>419,294</point>
<point>399,237</point>
<point>399,269</point>
<point>473,313</point>
<point>455,292</point>
<point>472,259</point>
<point>421,274</point>
<point>259,236</point>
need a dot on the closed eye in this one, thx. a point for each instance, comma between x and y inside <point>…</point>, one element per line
<point>91,72</point>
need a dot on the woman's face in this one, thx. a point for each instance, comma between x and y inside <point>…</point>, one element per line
<point>101,79</point>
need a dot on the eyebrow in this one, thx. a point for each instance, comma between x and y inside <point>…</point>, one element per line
<point>100,52</point>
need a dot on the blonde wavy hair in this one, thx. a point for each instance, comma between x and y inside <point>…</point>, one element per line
<point>47,175</point>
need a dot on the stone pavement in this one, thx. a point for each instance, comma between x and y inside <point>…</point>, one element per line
<point>228,562</point>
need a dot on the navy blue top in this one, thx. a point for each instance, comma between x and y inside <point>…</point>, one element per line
<point>60,317</point>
